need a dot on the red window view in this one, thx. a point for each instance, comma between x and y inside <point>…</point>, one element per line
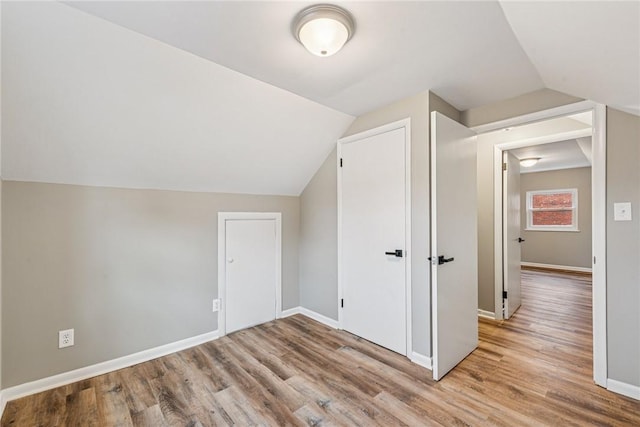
<point>556,209</point>
<point>552,210</point>
<point>553,218</point>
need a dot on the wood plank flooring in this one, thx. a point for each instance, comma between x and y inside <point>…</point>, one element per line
<point>532,370</point>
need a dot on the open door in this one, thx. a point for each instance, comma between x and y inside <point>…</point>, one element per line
<point>511,233</point>
<point>454,243</point>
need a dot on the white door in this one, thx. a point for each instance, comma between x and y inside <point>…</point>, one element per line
<point>373,266</point>
<point>251,276</point>
<point>454,243</point>
<point>511,232</point>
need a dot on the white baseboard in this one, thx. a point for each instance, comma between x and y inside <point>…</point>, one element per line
<point>420,359</point>
<point>3,403</point>
<point>632,391</point>
<point>487,314</point>
<point>290,312</point>
<point>312,315</point>
<point>80,374</point>
<point>319,318</point>
<point>556,267</point>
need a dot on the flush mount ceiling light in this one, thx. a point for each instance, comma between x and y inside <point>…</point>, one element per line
<point>527,163</point>
<point>323,28</point>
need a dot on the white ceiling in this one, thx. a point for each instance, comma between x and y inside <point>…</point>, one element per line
<point>563,151</point>
<point>589,49</point>
<point>554,156</point>
<point>469,53</point>
<point>218,96</point>
<point>88,102</point>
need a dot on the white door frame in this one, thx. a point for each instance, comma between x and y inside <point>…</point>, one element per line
<point>223,217</point>
<point>406,124</point>
<point>599,212</point>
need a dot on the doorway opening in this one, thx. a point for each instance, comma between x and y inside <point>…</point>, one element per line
<point>569,123</point>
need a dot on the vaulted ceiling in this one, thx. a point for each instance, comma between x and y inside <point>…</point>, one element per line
<point>218,96</point>
<point>469,53</point>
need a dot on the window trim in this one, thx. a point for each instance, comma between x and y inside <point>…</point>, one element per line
<point>574,209</point>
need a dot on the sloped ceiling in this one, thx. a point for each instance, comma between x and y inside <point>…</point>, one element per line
<point>89,102</point>
<point>218,96</point>
<point>464,51</point>
<point>586,49</point>
<point>469,53</point>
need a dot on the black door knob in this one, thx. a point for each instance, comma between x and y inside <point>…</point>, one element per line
<point>520,240</point>
<point>396,253</point>
<point>442,259</point>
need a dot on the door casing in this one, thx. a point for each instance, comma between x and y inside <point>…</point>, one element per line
<point>223,217</point>
<point>599,213</point>
<point>406,124</point>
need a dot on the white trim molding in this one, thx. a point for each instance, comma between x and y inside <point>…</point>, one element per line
<point>629,390</point>
<point>3,403</point>
<point>598,207</point>
<point>486,314</point>
<point>311,315</point>
<point>80,374</point>
<point>290,312</point>
<point>319,317</point>
<point>555,267</point>
<point>421,359</point>
<point>223,217</point>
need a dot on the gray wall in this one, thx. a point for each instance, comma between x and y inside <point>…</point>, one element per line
<point>623,248</point>
<point>566,248</point>
<point>128,269</point>
<point>319,241</point>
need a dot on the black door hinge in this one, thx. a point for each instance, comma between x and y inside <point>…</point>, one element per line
<point>504,294</point>
<point>342,303</point>
<point>340,162</point>
<point>504,166</point>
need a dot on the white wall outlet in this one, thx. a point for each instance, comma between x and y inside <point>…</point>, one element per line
<point>622,211</point>
<point>216,305</point>
<point>65,338</point>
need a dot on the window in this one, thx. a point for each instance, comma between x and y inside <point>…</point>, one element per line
<point>552,210</point>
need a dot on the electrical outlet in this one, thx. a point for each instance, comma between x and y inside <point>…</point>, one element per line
<point>216,305</point>
<point>65,338</point>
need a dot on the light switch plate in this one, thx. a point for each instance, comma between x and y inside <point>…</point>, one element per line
<point>622,211</point>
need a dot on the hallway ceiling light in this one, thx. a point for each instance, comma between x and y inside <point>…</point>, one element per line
<point>527,163</point>
<point>323,28</point>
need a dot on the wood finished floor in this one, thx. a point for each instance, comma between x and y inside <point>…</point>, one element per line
<point>534,369</point>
